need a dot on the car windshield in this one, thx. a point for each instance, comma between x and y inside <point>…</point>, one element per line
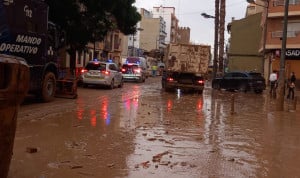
<point>96,66</point>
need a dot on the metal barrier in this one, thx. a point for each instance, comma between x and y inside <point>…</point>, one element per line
<point>14,84</point>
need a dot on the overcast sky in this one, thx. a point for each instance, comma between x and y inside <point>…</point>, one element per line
<point>189,14</point>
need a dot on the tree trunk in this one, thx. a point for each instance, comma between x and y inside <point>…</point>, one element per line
<point>216,40</point>
<point>221,31</point>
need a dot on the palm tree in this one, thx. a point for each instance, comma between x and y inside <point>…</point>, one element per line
<point>221,31</point>
<point>216,41</point>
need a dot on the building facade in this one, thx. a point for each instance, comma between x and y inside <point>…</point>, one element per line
<point>273,44</point>
<point>168,14</point>
<point>154,32</point>
<point>243,51</point>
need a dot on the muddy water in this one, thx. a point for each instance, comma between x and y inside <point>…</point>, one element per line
<point>140,131</point>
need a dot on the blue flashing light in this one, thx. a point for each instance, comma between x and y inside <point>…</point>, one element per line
<point>95,59</point>
<point>110,60</point>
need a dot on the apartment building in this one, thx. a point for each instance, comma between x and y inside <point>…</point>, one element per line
<point>168,14</point>
<point>273,43</point>
<point>153,35</point>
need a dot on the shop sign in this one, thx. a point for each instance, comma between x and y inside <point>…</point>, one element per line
<point>292,54</point>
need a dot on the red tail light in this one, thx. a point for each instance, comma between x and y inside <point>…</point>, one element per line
<point>170,79</point>
<point>123,70</point>
<point>137,70</point>
<point>105,72</point>
<point>200,81</point>
<point>83,71</point>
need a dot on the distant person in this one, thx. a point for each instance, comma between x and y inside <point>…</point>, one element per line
<point>291,86</point>
<point>154,70</point>
<point>273,81</point>
<point>293,77</point>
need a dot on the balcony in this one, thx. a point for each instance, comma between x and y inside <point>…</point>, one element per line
<point>274,39</point>
<point>281,2</point>
<point>276,9</point>
<point>290,34</point>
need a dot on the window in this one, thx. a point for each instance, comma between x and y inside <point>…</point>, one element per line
<point>293,27</point>
<point>96,66</point>
<point>112,67</point>
<point>294,2</point>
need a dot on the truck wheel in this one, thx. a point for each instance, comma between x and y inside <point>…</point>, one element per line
<point>49,87</point>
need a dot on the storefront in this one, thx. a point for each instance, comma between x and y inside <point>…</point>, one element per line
<point>292,61</point>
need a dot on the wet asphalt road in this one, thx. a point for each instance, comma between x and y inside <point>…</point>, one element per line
<point>141,131</point>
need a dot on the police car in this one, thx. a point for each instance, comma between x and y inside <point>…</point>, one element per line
<point>101,73</point>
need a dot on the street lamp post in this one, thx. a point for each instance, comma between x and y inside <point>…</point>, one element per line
<point>216,39</point>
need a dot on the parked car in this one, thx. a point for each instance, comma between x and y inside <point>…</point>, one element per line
<point>101,73</point>
<point>242,81</point>
<point>133,72</point>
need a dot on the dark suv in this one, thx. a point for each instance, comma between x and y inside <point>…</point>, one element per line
<point>243,81</point>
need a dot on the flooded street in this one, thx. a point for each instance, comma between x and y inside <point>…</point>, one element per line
<point>140,131</point>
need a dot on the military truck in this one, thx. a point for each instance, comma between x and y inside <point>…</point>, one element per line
<point>186,67</point>
<point>26,32</point>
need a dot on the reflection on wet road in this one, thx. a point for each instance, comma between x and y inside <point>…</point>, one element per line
<point>141,131</point>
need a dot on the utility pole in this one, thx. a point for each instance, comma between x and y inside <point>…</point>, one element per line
<point>216,39</point>
<point>281,84</point>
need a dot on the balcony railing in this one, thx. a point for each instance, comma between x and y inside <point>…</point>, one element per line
<point>281,2</point>
<point>290,34</point>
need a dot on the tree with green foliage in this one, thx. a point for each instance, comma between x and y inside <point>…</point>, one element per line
<point>86,21</point>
